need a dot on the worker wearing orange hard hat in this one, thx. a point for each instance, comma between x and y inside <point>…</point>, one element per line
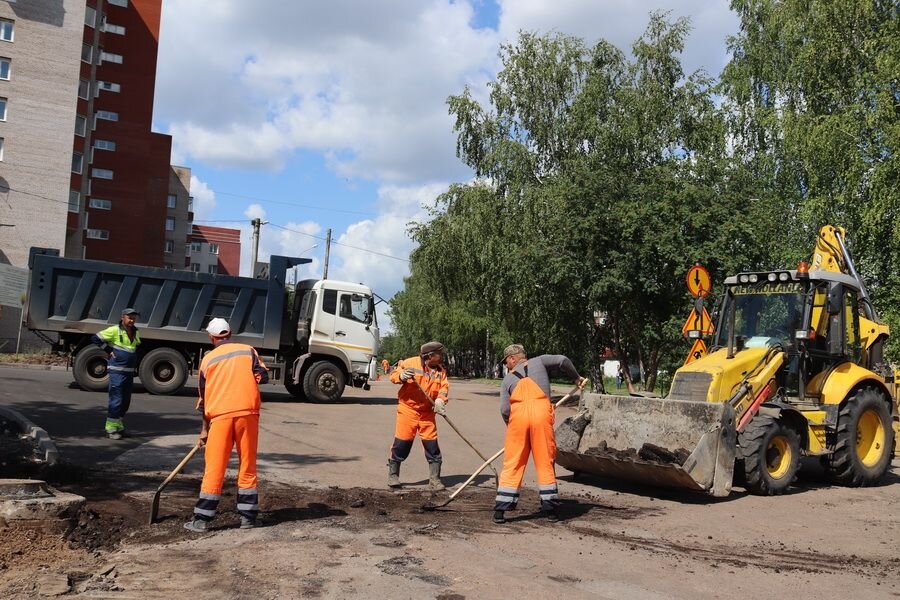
<point>526,407</point>
<point>424,390</point>
<point>229,402</point>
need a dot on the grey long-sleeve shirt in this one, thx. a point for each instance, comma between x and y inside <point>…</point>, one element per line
<point>539,370</point>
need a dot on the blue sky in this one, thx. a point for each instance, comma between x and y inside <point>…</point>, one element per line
<point>318,115</point>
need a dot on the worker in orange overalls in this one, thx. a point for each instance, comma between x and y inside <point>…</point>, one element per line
<point>526,407</point>
<point>419,376</point>
<point>385,366</point>
<point>229,402</point>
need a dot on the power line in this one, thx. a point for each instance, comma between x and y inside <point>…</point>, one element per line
<point>318,237</point>
<point>296,205</point>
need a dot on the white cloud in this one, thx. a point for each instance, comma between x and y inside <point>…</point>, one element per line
<point>204,199</point>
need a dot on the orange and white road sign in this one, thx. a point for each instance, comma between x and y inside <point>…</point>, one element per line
<point>698,322</point>
<point>699,283</point>
<point>698,351</point>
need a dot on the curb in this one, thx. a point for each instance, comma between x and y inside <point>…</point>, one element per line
<point>41,438</point>
<point>33,367</point>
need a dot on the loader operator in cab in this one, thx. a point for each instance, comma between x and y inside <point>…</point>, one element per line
<point>528,412</point>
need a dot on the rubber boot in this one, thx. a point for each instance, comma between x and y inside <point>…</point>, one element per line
<point>394,473</point>
<point>434,476</point>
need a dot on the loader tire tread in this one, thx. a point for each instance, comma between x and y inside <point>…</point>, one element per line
<point>754,441</point>
<point>844,467</point>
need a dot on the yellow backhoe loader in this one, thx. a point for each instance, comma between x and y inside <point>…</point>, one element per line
<point>795,369</point>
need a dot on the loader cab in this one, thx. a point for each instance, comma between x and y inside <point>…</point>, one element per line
<point>812,317</point>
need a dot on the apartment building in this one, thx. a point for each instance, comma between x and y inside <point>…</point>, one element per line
<point>179,216</point>
<point>40,43</point>
<point>214,250</point>
<point>121,179</point>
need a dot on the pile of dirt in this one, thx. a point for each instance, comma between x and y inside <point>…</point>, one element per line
<point>50,359</point>
<point>648,453</point>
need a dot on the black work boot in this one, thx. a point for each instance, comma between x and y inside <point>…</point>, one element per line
<point>434,476</point>
<point>394,473</point>
<point>552,515</point>
<point>499,517</point>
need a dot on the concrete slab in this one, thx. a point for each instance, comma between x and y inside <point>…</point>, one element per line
<point>31,502</point>
<point>41,439</point>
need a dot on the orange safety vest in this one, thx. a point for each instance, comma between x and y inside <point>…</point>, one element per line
<point>433,381</point>
<point>229,378</point>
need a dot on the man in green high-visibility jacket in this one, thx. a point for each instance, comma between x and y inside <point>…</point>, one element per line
<point>120,342</point>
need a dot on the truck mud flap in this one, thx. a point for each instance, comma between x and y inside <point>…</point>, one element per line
<point>651,441</point>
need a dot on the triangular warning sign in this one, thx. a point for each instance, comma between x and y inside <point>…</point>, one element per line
<point>698,351</point>
<point>698,322</point>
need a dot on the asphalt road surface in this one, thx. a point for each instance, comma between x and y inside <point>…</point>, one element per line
<point>338,533</point>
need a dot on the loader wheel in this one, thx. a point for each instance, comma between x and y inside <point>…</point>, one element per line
<point>771,455</point>
<point>862,449</point>
<point>89,369</point>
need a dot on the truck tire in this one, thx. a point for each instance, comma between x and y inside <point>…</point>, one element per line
<point>163,371</point>
<point>863,442</point>
<point>89,369</point>
<point>770,449</point>
<point>323,382</point>
<point>295,390</point>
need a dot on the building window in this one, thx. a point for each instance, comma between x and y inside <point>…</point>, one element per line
<point>80,125</point>
<point>83,89</point>
<point>110,57</point>
<point>90,16</point>
<point>213,269</point>
<point>98,234</point>
<point>122,3</point>
<point>213,248</point>
<point>87,53</point>
<point>2,146</point>
<point>108,86</point>
<point>74,201</point>
<point>5,68</point>
<point>170,247</point>
<point>102,173</point>
<point>77,162</point>
<point>170,223</point>
<point>195,267</point>
<point>105,145</point>
<point>2,109</point>
<point>107,115</point>
<point>101,204</point>
<point>6,30</point>
<point>117,29</point>
<point>172,201</point>
<point>196,246</point>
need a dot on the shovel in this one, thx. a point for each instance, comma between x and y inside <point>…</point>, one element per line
<point>488,461</point>
<point>450,423</point>
<point>154,506</point>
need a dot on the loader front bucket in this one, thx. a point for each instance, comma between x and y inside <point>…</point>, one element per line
<point>653,441</point>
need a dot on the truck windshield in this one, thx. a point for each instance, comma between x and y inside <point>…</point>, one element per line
<point>765,314</point>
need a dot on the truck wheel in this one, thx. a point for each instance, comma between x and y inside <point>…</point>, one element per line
<point>163,371</point>
<point>323,382</point>
<point>862,449</point>
<point>771,453</point>
<point>295,390</point>
<point>90,369</point>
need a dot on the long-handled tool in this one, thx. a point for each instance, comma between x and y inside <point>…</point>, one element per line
<point>456,429</point>
<point>154,506</point>
<point>488,461</point>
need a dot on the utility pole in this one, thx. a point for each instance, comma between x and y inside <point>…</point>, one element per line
<point>327,252</point>
<point>254,252</point>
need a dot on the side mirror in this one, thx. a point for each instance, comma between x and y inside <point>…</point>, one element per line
<point>835,301</point>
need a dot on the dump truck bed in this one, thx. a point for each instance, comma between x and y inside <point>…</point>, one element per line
<point>653,441</point>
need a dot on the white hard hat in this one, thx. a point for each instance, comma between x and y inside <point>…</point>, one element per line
<point>218,327</point>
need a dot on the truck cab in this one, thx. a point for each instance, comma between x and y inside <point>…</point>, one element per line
<point>336,338</point>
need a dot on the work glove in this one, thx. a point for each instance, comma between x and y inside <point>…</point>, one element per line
<point>582,382</point>
<point>440,406</point>
<point>407,374</point>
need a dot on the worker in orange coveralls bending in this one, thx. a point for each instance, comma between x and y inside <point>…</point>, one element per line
<point>419,376</point>
<point>526,407</point>
<point>229,402</point>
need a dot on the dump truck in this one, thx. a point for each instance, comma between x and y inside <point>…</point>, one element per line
<point>316,336</point>
<point>796,369</point>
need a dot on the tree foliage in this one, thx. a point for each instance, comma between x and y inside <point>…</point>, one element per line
<point>601,178</point>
